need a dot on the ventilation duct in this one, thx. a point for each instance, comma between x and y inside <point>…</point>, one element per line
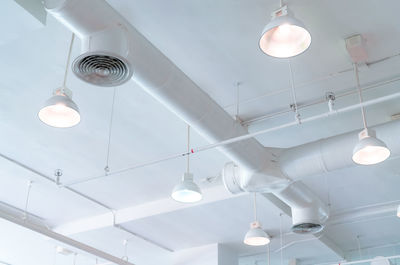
<point>112,49</point>
<point>105,40</point>
<point>309,213</point>
<point>333,153</point>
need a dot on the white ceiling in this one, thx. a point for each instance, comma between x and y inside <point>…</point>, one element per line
<point>215,44</point>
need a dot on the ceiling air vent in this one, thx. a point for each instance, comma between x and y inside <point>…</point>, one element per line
<point>101,69</point>
<point>307,228</point>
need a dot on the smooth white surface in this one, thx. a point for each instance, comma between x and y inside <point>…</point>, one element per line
<point>206,255</point>
<point>202,39</point>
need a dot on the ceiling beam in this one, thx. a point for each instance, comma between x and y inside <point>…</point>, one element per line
<point>27,223</point>
<point>136,212</point>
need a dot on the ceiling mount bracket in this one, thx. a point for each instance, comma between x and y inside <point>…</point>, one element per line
<point>330,97</point>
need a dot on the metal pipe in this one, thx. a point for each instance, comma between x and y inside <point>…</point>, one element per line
<point>61,238</point>
<point>40,174</point>
<point>237,139</point>
<point>310,82</point>
<point>365,260</point>
<point>387,209</point>
<point>296,242</point>
<point>316,102</point>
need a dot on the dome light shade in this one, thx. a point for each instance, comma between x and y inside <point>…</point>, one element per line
<point>60,111</point>
<point>398,211</point>
<point>256,236</point>
<point>285,36</point>
<point>370,150</point>
<point>187,191</point>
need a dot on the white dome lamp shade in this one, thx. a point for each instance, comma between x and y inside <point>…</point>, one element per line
<point>60,110</point>
<point>285,36</point>
<point>256,236</point>
<point>369,150</point>
<point>187,191</point>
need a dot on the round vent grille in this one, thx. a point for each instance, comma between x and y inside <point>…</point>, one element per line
<point>307,228</point>
<point>102,69</point>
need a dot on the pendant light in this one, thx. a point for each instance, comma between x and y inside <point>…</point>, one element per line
<point>398,211</point>
<point>256,236</point>
<point>60,111</point>
<point>284,36</point>
<point>369,149</point>
<point>187,190</point>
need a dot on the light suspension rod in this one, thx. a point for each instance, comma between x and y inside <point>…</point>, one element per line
<point>360,94</point>
<point>239,138</point>
<point>68,61</point>
<point>255,207</point>
<point>188,150</point>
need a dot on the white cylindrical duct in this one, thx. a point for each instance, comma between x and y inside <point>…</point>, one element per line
<point>163,80</point>
<point>333,153</point>
<point>106,44</point>
<point>157,75</point>
<point>309,213</point>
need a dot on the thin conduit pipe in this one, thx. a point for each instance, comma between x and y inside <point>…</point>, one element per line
<point>83,196</point>
<point>310,82</point>
<point>237,139</point>
<point>296,242</point>
<point>362,261</point>
<point>316,102</point>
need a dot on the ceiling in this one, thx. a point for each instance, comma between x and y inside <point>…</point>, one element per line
<point>215,44</point>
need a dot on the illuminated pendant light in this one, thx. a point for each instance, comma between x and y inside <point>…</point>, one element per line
<point>285,36</point>
<point>60,111</point>
<point>187,190</point>
<point>256,236</point>
<point>398,211</point>
<point>369,150</point>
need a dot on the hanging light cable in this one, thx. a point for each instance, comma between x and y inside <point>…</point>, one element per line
<point>369,149</point>
<point>256,236</point>
<point>284,36</point>
<point>110,126</point>
<point>295,106</point>
<point>187,190</point>
<point>60,111</point>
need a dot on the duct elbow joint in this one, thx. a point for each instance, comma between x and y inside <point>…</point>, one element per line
<point>308,220</point>
<point>309,213</point>
<point>237,179</point>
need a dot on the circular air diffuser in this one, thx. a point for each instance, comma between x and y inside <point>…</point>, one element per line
<point>307,228</point>
<point>102,69</point>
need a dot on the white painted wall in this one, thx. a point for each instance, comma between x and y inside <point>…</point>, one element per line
<point>214,254</point>
<point>227,256</point>
<point>205,255</point>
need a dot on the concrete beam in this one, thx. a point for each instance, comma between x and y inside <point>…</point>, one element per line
<point>129,214</point>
